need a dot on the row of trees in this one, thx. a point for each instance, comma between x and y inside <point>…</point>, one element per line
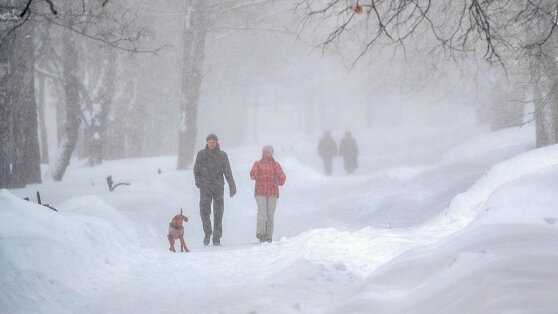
<point>86,55</point>
<point>81,53</point>
<point>67,51</point>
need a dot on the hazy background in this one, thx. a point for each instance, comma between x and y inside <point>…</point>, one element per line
<point>136,78</point>
<point>445,193</point>
<point>266,73</point>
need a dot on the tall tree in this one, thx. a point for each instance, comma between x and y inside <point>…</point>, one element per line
<point>93,25</point>
<point>202,17</point>
<point>545,82</point>
<point>27,162</point>
<point>6,135</point>
<point>20,151</point>
<point>107,23</point>
<point>97,96</point>
<point>195,32</point>
<point>73,111</point>
<point>117,132</point>
<point>42,123</point>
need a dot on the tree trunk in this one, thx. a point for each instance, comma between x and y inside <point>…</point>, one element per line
<point>541,119</point>
<point>554,116</point>
<point>546,107</point>
<point>117,124</point>
<point>42,123</point>
<point>194,46</point>
<point>26,159</point>
<point>71,126</point>
<point>95,133</point>
<point>60,115</point>
<point>6,134</point>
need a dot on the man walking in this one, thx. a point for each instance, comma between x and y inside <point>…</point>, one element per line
<point>327,149</point>
<point>211,165</point>
<point>349,150</point>
<point>268,175</point>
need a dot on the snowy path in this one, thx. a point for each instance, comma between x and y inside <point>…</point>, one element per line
<point>331,233</point>
<point>235,272</point>
<point>243,271</point>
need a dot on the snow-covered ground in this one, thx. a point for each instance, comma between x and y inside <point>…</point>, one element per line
<point>436,221</point>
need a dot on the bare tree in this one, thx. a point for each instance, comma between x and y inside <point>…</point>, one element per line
<point>42,123</point>
<point>103,23</point>
<point>73,112</point>
<point>6,134</point>
<point>97,100</point>
<point>545,83</point>
<point>202,17</point>
<point>20,146</point>
<point>89,89</point>
<point>194,45</point>
<point>510,34</point>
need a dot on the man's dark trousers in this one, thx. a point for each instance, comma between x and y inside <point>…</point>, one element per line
<point>206,197</point>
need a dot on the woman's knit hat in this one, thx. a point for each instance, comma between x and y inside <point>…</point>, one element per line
<point>267,148</point>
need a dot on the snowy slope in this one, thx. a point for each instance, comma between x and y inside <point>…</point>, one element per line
<point>504,261</point>
<point>465,224</point>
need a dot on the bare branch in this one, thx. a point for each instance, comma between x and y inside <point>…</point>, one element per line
<point>125,42</point>
<point>14,28</point>
<point>456,26</point>
<point>26,9</point>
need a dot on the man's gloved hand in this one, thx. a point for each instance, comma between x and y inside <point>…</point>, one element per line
<point>232,190</point>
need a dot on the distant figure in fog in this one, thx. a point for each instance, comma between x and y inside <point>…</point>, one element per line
<point>348,149</point>
<point>327,150</point>
<point>268,175</point>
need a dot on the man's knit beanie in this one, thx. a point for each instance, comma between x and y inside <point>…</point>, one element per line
<point>212,136</point>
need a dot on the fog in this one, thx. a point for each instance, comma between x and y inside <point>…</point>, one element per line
<point>266,74</point>
<point>132,79</point>
<point>440,203</point>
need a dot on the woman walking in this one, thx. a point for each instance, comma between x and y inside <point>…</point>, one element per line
<point>269,176</point>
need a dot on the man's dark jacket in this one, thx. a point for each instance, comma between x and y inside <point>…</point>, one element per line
<point>209,169</point>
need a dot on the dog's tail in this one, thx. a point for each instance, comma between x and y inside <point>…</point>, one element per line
<point>183,217</point>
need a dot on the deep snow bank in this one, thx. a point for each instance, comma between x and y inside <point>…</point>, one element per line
<point>467,206</point>
<point>49,259</point>
<point>503,261</point>
<point>480,250</point>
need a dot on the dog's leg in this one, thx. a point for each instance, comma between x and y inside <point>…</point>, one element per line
<point>183,244</point>
<point>171,242</point>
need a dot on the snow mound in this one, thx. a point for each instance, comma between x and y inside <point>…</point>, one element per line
<point>471,273</point>
<point>488,143</point>
<point>494,251</point>
<point>467,206</point>
<point>58,256</point>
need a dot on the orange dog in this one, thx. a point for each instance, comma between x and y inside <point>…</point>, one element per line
<point>176,231</point>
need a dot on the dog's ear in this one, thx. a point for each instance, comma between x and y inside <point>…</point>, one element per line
<point>181,212</point>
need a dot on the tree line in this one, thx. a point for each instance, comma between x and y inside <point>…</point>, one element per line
<point>84,55</point>
<point>73,52</point>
